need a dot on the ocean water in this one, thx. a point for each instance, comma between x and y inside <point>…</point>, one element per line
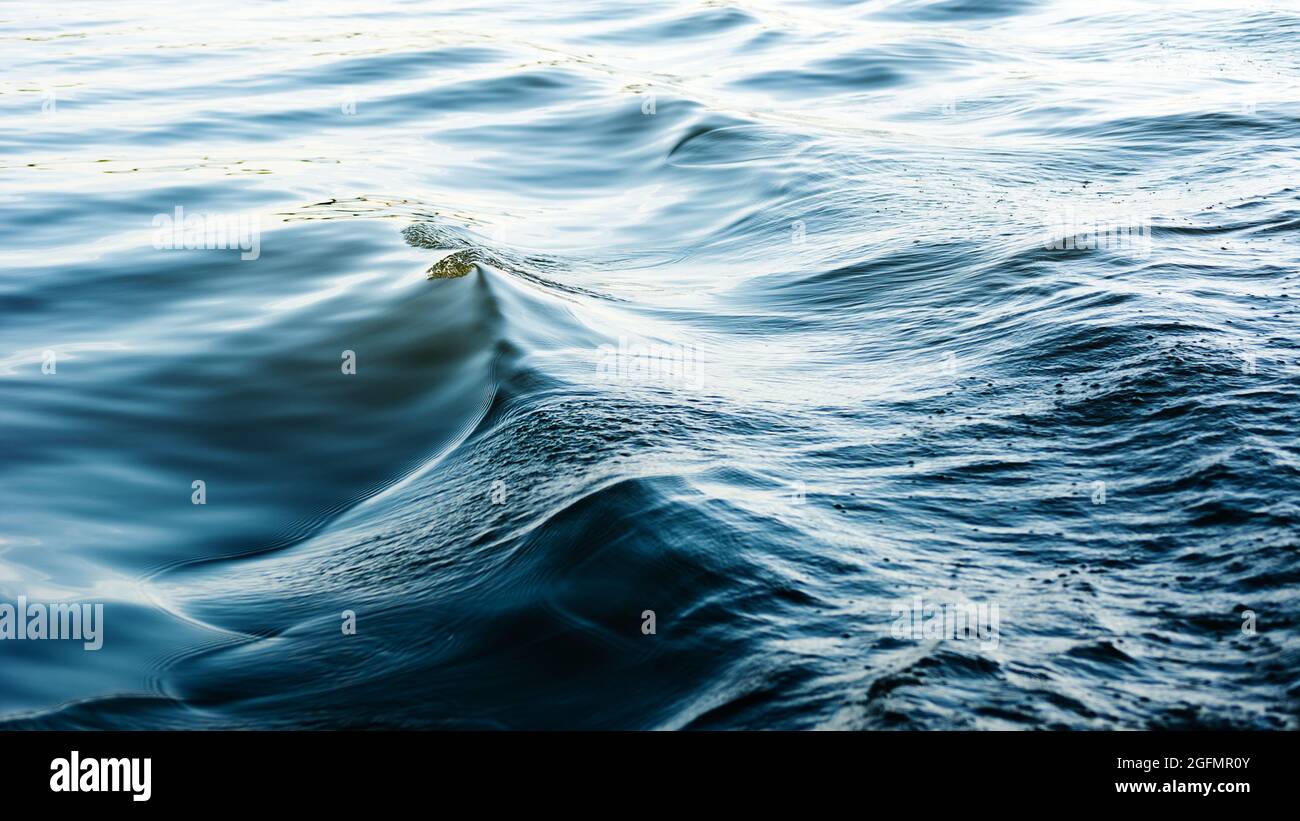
<point>754,330</point>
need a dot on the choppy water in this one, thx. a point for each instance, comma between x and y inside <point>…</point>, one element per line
<point>875,379</point>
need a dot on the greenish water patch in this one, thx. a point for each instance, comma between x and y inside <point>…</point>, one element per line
<point>454,265</point>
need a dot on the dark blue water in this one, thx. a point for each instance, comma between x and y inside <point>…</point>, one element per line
<point>766,318</point>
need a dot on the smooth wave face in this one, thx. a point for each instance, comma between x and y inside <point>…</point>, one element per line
<point>642,365</point>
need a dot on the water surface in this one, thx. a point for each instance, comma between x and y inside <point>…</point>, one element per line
<point>873,378</point>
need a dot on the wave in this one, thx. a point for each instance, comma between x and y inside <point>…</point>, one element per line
<point>745,325</point>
